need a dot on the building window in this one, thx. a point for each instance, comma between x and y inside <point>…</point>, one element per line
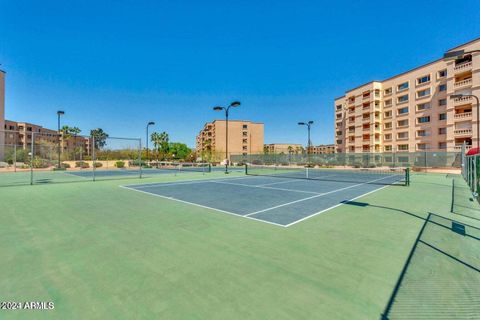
<point>422,146</point>
<point>402,123</point>
<point>423,93</point>
<point>388,103</point>
<point>246,141</point>
<point>388,125</point>
<point>402,86</point>
<point>423,119</point>
<point>388,114</point>
<point>388,91</point>
<point>388,136</point>
<point>403,98</point>
<point>245,133</point>
<point>245,126</point>
<point>423,106</point>
<point>442,130</point>
<point>442,145</point>
<point>339,108</point>
<point>403,147</point>
<point>442,102</point>
<point>245,148</point>
<point>423,79</point>
<point>442,87</point>
<point>421,133</point>
<point>402,135</point>
<point>388,148</point>
<point>442,73</point>
<point>402,111</point>
<point>442,116</point>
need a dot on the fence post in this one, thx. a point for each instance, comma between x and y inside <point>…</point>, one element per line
<point>93,158</point>
<point>31,158</point>
<point>140,157</point>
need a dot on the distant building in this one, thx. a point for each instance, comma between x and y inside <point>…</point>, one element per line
<point>244,138</point>
<point>286,148</point>
<point>323,148</point>
<point>22,135</point>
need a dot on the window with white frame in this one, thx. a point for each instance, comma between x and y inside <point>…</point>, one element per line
<point>423,79</point>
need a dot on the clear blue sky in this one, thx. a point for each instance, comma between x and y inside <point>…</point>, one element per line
<point>118,64</point>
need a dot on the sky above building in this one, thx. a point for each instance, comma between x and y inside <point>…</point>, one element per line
<point>119,64</point>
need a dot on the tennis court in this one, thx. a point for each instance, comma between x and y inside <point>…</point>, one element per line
<point>281,197</point>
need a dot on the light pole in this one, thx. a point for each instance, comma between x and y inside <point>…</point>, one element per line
<point>59,114</point>
<point>455,96</point>
<point>309,143</point>
<point>227,109</point>
<point>151,123</point>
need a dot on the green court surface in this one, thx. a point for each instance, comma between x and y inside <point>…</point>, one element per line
<point>99,251</point>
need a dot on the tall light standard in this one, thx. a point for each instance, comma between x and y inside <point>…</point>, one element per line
<point>227,109</point>
<point>309,143</point>
<point>151,123</point>
<point>59,114</point>
<point>455,96</point>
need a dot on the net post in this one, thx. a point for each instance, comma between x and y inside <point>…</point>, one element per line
<point>246,169</point>
<point>209,167</point>
<point>407,176</point>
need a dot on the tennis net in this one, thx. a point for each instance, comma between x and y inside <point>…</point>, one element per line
<point>389,176</point>
<point>184,166</point>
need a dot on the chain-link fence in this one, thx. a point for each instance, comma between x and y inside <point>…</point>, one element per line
<point>422,160</point>
<point>46,157</point>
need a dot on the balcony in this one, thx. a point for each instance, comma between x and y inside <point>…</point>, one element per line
<point>463,83</point>
<point>463,67</point>
<point>462,100</point>
<point>462,116</point>
<point>462,132</point>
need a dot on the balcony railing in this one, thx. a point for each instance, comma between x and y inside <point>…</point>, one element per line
<point>462,116</point>
<point>466,82</point>
<point>462,100</point>
<point>462,132</point>
<point>464,66</point>
<point>458,147</point>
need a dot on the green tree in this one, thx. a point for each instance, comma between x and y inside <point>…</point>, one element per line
<point>179,150</point>
<point>100,137</point>
<point>75,131</point>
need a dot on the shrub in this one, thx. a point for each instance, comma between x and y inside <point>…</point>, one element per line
<point>120,164</point>
<point>39,163</point>
<point>65,165</point>
<point>82,164</point>
<point>357,165</point>
<point>98,164</point>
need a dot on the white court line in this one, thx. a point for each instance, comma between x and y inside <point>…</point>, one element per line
<point>317,196</point>
<point>333,207</point>
<point>202,206</point>
<point>262,187</point>
<point>166,184</point>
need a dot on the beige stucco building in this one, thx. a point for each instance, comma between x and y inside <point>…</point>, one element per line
<point>244,137</point>
<point>321,149</point>
<point>2,113</point>
<point>286,148</point>
<point>412,111</point>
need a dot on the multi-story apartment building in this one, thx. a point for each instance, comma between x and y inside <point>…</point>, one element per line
<point>412,111</point>
<point>21,135</point>
<point>323,148</point>
<point>2,113</point>
<point>286,148</point>
<point>244,137</point>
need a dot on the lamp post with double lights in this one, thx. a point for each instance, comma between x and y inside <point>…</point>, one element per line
<point>151,123</point>
<point>234,104</point>
<point>309,143</point>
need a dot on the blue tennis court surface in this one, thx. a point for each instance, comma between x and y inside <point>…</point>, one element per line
<point>274,200</point>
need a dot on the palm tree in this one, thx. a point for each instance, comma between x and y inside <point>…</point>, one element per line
<point>100,137</point>
<point>160,142</point>
<point>76,131</point>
